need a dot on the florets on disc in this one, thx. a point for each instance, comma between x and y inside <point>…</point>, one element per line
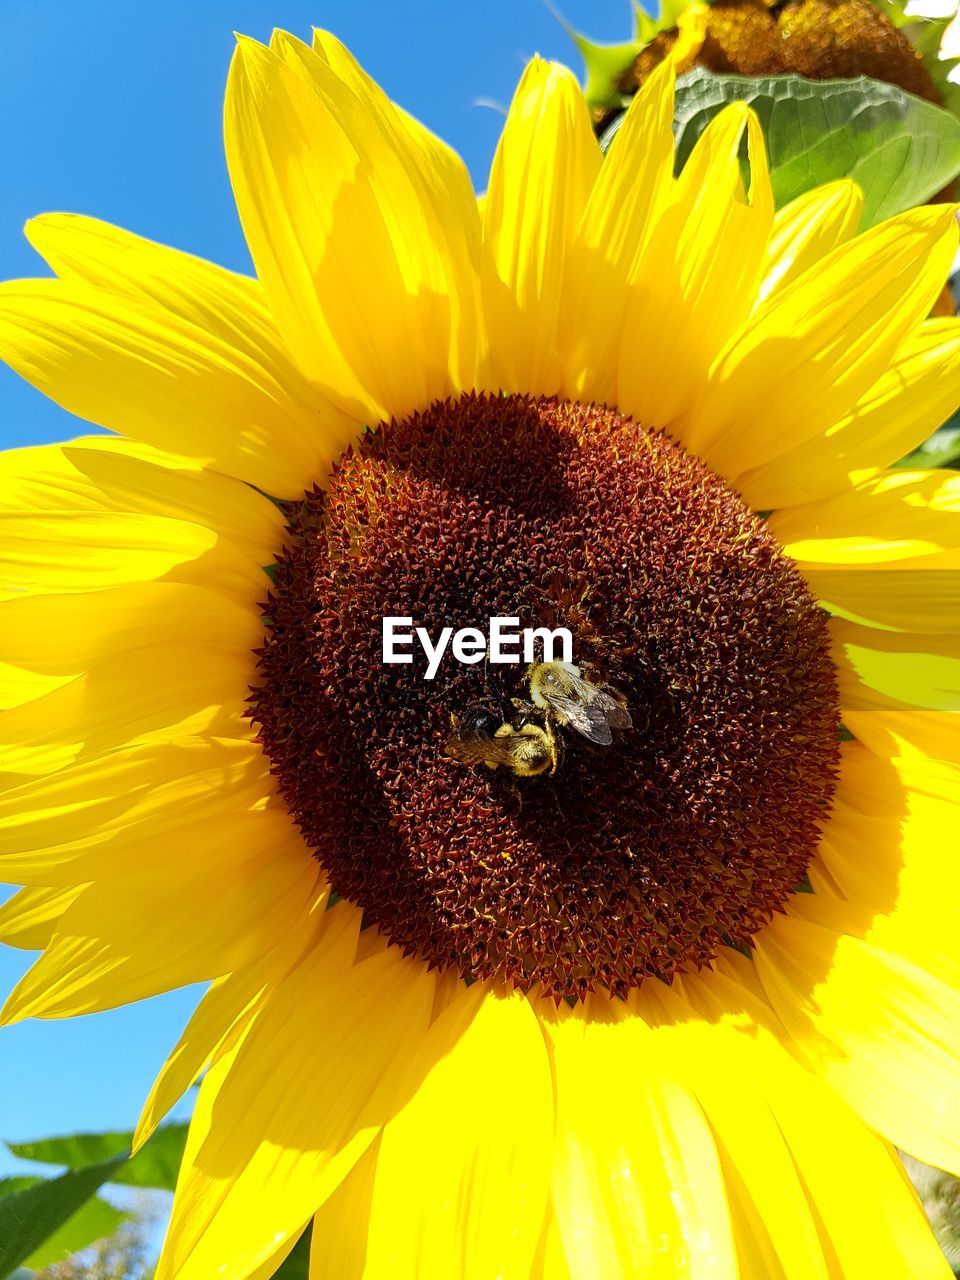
<point>634,859</point>
<point>819,39</point>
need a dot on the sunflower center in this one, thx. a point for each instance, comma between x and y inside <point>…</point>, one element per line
<point>638,857</point>
<point>819,39</point>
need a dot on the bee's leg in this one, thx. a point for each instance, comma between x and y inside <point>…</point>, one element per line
<point>549,729</point>
<point>517,793</point>
<point>527,711</point>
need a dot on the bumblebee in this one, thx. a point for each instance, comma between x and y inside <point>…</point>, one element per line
<point>482,738</point>
<point>560,691</point>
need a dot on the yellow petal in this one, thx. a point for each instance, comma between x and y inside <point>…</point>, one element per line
<point>883,1033</point>
<point>284,1115</point>
<point>867,1216</point>
<point>899,515</point>
<point>885,899</point>
<point>606,256</point>
<point>235,511</point>
<point>637,1185</point>
<point>545,165</point>
<point>90,550</point>
<point>151,932</point>
<point>699,274</point>
<point>338,1247</point>
<point>153,829</point>
<point>196,291</point>
<point>776,1233</point>
<point>812,350</point>
<point>43,478</point>
<point>341,236</point>
<point>30,917</point>
<point>441,181</point>
<point>157,694</point>
<point>100,474</point>
<point>907,403</point>
<point>807,229</point>
<point>145,372</point>
<point>910,595</point>
<point>881,669</point>
<point>885,554</point>
<point>551,1261</point>
<point>98,253</point>
<point>88,801</point>
<point>66,635</point>
<point>462,1190</point>
<point>904,733</point>
<point>223,1014</point>
<point>883,851</point>
<point>18,686</point>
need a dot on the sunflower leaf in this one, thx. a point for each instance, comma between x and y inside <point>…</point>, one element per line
<point>93,1221</point>
<point>898,148</point>
<point>156,1165</point>
<point>30,1216</point>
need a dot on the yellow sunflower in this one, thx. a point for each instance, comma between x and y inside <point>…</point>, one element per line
<point>659,1012</point>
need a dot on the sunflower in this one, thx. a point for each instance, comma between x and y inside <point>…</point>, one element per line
<point>908,43</point>
<point>819,39</point>
<point>661,1011</point>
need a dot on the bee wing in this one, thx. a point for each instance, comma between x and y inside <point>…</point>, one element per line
<point>584,707</point>
<point>618,717</point>
<point>587,718</point>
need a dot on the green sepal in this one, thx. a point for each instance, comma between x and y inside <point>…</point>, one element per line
<point>606,64</point>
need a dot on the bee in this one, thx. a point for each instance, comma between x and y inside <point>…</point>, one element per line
<point>560,690</point>
<point>482,738</point>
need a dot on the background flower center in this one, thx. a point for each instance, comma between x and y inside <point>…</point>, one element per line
<point>635,859</point>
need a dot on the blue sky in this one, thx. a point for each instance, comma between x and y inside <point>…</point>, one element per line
<point>114,109</point>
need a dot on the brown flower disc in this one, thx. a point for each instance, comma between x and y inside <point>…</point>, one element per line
<point>632,860</point>
<point>819,39</point>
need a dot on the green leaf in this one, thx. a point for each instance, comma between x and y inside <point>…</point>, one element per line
<point>898,148</point>
<point>46,1219</point>
<point>29,1217</point>
<point>73,1151</point>
<point>94,1221</point>
<point>156,1165</point>
<point>9,1185</point>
